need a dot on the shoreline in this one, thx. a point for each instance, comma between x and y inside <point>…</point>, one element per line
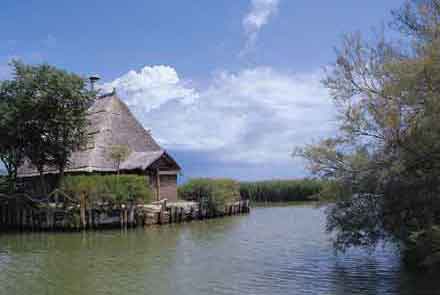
<point>158,213</point>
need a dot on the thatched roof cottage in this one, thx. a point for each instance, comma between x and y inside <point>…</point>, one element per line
<point>112,124</point>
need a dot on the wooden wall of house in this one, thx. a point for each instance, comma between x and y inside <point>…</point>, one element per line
<point>152,181</point>
<point>167,182</point>
<point>168,187</point>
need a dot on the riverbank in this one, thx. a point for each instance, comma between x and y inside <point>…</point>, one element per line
<point>55,217</point>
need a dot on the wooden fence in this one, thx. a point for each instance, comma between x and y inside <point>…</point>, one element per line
<point>25,215</point>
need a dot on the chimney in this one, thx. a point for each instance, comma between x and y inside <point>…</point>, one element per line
<point>93,79</point>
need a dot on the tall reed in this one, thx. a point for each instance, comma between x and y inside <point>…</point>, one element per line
<point>281,190</point>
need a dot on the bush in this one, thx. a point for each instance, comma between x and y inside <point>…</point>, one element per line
<point>115,188</point>
<point>211,193</point>
<point>281,190</point>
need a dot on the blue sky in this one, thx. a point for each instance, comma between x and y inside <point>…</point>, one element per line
<point>229,87</point>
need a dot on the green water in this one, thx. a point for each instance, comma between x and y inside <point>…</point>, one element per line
<point>274,250</point>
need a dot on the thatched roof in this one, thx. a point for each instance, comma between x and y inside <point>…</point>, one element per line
<point>111,124</point>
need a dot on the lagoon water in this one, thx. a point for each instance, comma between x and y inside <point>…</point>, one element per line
<point>273,250</point>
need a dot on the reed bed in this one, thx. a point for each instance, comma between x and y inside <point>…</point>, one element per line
<point>281,190</point>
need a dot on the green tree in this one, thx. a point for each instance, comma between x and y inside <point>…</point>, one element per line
<point>49,106</point>
<point>12,118</point>
<point>69,99</point>
<point>118,154</point>
<point>385,161</point>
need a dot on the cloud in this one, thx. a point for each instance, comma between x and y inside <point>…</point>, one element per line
<point>5,71</point>
<point>254,116</point>
<point>258,16</point>
<point>151,87</point>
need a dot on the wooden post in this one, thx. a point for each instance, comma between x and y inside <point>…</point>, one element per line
<point>53,219</point>
<point>82,210</point>
<point>191,213</point>
<point>161,215</point>
<point>5,214</point>
<point>23,218</point>
<point>90,217</point>
<point>12,214</point>
<point>131,219</point>
<point>158,184</point>
<point>32,219</point>
<point>2,215</point>
<point>17,216</point>
<point>200,211</point>
<point>121,216</point>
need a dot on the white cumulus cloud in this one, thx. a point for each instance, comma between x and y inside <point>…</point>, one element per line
<point>151,87</point>
<point>253,116</point>
<point>258,16</point>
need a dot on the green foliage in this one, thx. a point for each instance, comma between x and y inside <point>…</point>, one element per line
<point>13,114</point>
<point>281,190</point>
<point>119,153</point>
<point>212,193</point>
<point>42,117</point>
<point>384,163</point>
<point>114,188</point>
<point>423,247</point>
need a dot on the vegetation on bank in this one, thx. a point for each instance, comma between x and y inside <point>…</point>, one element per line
<point>111,188</point>
<point>281,190</point>
<point>385,160</point>
<point>104,191</point>
<point>213,194</point>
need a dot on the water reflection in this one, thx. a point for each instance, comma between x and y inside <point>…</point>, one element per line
<point>279,250</point>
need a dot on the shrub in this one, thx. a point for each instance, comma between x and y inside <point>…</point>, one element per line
<point>115,188</point>
<point>281,190</point>
<point>211,193</point>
